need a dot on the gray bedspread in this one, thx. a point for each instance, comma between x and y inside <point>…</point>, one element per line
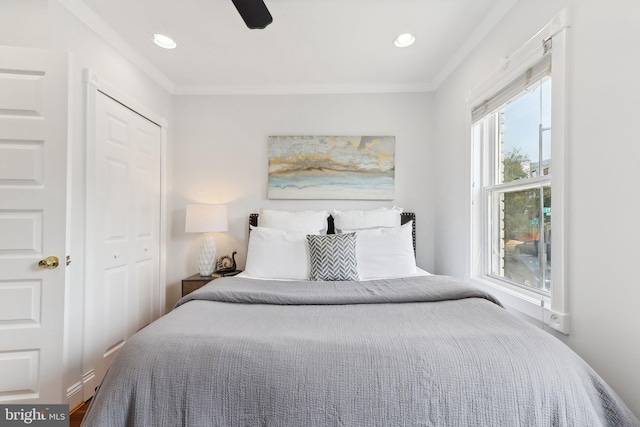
<point>421,351</point>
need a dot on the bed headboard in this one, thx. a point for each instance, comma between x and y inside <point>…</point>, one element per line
<point>405,217</point>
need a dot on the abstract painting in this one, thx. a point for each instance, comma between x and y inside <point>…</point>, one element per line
<point>331,167</point>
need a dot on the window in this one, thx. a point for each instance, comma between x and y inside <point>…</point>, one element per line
<point>517,187</point>
<point>517,131</point>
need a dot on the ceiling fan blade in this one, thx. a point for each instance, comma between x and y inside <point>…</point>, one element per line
<point>254,13</point>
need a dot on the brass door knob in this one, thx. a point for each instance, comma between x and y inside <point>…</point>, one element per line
<point>49,262</point>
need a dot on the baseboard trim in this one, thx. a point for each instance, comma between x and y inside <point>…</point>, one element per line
<point>74,396</point>
<point>88,385</point>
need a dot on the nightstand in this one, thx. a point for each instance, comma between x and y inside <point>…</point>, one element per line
<point>197,281</point>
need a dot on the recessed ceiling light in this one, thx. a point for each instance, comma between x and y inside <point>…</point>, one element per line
<point>164,41</point>
<point>404,40</point>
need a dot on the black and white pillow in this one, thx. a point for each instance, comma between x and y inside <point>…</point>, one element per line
<point>333,257</point>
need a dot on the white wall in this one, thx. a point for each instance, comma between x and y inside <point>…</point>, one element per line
<point>47,24</point>
<point>24,23</point>
<point>220,156</point>
<point>88,50</point>
<point>602,174</point>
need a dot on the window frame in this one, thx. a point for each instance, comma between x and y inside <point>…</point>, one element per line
<point>552,309</point>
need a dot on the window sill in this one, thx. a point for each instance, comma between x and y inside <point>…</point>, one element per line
<point>531,304</point>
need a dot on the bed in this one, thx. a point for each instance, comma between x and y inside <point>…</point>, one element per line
<point>417,350</point>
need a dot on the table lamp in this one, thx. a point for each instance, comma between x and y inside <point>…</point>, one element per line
<point>205,218</point>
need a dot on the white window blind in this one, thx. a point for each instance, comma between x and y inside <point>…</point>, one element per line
<point>514,87</point>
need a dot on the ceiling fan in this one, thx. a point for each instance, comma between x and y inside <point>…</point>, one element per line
<point>254,13</point>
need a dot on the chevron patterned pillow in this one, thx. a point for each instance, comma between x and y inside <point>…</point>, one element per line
<point>333,257</point>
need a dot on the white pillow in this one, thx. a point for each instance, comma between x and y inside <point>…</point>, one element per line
<point>359,220</point>
<point>385,252</point>
<point>277,254</point>
<point>311,222</point>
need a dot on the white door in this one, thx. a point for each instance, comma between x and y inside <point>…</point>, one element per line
<point>124,237</point>
<point>33,197</point>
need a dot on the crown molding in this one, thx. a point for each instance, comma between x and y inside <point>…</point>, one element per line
<point>497,13</point>
<point>524,57</point>
<point>318,89</point>
<point>488,23</point>
<point>97,24</point>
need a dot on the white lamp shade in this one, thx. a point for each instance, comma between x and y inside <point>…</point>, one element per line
<point>204,218</point>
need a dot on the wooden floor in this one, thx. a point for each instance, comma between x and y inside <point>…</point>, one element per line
<point>76,417</point>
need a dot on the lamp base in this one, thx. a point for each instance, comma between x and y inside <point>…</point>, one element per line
<point>208,255</point>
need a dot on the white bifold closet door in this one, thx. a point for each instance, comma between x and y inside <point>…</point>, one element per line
<point>123,291</point>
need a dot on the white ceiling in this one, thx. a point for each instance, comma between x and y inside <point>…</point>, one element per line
<point>312,46</point>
